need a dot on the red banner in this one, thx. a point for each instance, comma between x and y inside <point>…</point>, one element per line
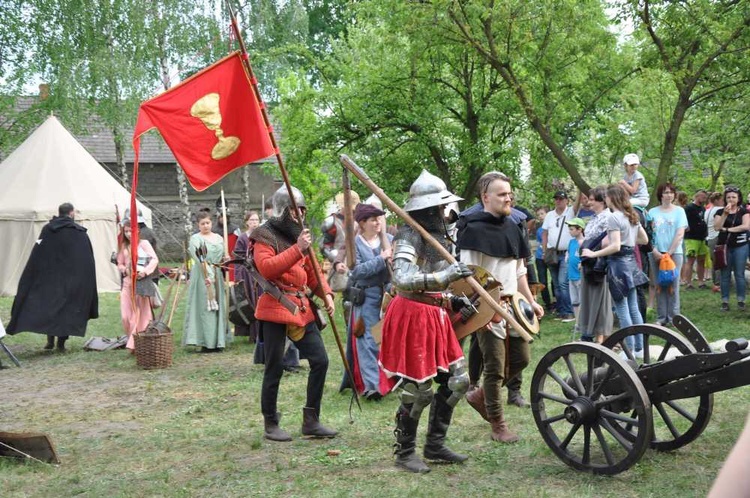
<point>212,122</point>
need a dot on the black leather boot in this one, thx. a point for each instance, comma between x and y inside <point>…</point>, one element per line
<point>405,447</point>
<point>272,430</point>
<point>311,426</point>
<point>50,342</point>
<point>61,342</point>
<point>440,419</point>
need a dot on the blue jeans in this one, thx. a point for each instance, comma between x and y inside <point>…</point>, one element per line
<point>736,263</point>
<point>628,314</point>
<point>560,283</point>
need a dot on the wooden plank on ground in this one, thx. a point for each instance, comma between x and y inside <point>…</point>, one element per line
<point>24,444</point>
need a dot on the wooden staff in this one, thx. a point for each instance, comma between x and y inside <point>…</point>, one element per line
<point>362,176</point>
<point>227,283</point>
<point>351,257</point>
<point>176,297</point>
<point>292,200</point>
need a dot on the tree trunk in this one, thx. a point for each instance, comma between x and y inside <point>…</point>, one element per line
<point>120,157</point>
<point>670,139</point>
<point>245,202</point>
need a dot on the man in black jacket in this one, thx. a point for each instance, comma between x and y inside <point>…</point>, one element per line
<point>57,292</point>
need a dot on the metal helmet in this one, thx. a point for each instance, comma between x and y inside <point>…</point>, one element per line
<point>281,199</point>
<point>427,191</point>
<point>374,200</point>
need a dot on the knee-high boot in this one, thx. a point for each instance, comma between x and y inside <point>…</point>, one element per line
<point>440,419</point>
<point>406,442</point>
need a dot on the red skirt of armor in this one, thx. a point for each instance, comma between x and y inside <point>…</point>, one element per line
<point>418,342</point>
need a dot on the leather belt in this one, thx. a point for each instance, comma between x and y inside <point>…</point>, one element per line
<point>423,298</point>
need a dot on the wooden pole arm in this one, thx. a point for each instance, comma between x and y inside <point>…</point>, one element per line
<point>362,176</point>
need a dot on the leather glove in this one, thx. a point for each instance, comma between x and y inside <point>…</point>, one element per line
<point>458,303</point>
<point>463,305</point>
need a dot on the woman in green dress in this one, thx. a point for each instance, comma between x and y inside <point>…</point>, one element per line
<point>206,322</point>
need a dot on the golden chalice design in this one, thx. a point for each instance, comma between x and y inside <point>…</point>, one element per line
<point>207,110</point>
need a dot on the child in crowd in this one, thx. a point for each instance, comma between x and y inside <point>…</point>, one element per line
<point>576,227</point>
<point>633,182</point>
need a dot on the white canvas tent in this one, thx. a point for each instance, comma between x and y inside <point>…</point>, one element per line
<point>47,169</point>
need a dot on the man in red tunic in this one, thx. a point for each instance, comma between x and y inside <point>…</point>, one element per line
<point>281,254</point>
<point>418,340</point>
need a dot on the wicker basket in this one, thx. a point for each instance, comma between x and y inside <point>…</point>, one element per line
<point>153,350</point>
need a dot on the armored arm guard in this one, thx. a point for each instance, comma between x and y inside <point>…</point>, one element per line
<point>408,276</point>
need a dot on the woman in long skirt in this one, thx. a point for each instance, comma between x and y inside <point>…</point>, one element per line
<point>206,323</point>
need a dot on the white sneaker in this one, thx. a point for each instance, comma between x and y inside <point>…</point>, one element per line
<point>638,355</point>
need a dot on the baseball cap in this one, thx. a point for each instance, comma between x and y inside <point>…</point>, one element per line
<point>560,194</point>
<point>576,222</point>
<point>631,159</point>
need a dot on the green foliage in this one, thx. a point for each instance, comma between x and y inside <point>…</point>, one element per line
<point>455,87</point>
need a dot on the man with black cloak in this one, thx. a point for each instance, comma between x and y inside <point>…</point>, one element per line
<point>57,292</point>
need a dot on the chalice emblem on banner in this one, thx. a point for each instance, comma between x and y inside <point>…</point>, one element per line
<point>207,110</point>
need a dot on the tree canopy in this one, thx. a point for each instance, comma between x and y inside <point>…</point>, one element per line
<point>551,92</point>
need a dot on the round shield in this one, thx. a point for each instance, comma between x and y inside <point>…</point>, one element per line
<point>524,313</point>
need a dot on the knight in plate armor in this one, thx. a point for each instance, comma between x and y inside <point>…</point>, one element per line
<point>419,345</point>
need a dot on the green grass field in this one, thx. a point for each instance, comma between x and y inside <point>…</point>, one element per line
<point>195,429</point>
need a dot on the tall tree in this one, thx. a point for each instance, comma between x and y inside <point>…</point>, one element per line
<point>558,57</point>
<point>702,45</point>
<point>397,96</point>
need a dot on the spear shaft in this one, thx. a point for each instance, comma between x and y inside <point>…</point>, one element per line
<point>362,176</point>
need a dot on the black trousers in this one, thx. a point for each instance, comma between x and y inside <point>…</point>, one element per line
<point>310,347</point>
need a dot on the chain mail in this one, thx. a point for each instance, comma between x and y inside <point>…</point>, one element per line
<point>429,259</point>
<point>278,232</point>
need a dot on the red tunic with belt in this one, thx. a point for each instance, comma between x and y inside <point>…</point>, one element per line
<point>291,271</point>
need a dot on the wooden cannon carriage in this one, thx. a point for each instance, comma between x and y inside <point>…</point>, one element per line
<point>599,407</point>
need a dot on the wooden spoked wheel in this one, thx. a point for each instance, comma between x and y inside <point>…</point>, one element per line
<point>676,422</point>
<point>582,395</point>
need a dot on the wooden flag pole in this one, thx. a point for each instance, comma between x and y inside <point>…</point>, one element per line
<point>293,202</point>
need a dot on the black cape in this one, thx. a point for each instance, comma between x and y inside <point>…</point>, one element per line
<point>57,292</point>
<point>494,236</point>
